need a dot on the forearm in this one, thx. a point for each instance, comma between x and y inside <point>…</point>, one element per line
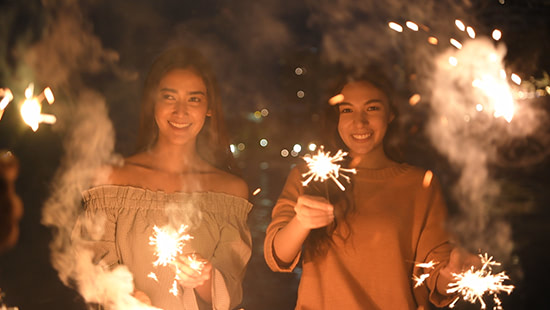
<point>289,240</point>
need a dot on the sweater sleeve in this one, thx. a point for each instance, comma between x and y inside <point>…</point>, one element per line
<point>434,245</point>
<point>282,213</point>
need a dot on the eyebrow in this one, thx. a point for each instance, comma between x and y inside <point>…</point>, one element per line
<point>196,92</point>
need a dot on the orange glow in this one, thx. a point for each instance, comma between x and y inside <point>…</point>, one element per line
<point>414,99</point>
<point>336,99</point>
<point>433,40</point>
<point>428,176</point>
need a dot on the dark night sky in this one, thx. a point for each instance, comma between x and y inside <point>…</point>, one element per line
<point>105,47</point>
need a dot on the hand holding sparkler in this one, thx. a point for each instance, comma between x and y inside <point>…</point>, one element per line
<point>193,271</point>
<point>314,212</point>
<point>459,261</point>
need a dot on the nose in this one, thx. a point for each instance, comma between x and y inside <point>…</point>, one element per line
<point>360,119</point>
<point>181,108</point>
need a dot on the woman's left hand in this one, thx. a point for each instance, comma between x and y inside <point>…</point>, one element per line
<point>460,260</point>
<point>193,270</point>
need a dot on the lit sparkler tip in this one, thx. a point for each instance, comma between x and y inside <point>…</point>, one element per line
<point>30,112</point>
<point>323,167</point>
<point>420,280</point>
<point>196,263</point>
<point>473,284</point>
<point>168,244</point>
<point>29,91</point>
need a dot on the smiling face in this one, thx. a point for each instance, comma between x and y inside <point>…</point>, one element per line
<point>364,118</point>
<point>181,106</point>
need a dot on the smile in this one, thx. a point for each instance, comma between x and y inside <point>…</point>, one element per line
<point>362,136</point>
<point>179,125</point>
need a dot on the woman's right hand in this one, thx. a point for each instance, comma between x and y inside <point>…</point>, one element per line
<point>314,211</point>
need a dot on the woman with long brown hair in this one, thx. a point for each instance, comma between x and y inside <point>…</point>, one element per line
<point>360,247</point>
<point>183,173</point>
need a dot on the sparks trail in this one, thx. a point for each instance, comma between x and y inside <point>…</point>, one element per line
<point>323,167</point>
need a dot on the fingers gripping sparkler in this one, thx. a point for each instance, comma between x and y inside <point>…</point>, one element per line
<point>323,167</point>
<point>474,284</point>
<point>169,244</point>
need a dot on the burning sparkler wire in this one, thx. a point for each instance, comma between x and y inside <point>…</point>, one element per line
<point>323,167</point>
<point>473,284</point>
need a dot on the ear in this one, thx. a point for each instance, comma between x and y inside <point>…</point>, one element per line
<point>209,113</point>
<point>392,116</point>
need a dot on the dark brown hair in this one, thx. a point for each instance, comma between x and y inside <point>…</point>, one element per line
<point>212,141</point>
<point>320,239</point>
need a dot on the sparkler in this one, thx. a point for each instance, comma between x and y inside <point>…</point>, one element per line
<point>474,284</point>
<point>169,244</point>
<point>31,109</point>
<point>323,167</point>
<point>420,280</point>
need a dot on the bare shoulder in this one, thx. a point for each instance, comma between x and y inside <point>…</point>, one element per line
<point>124,173</point>
<point>230,184</point>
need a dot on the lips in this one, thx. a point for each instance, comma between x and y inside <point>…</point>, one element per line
<point>362,136</point>
<point>179,125</point>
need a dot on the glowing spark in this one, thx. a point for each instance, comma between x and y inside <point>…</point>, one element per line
<point>256,191</point>
<point>7,96</point>
<point>153,276</point>
<point>428,176</point>
<point>336,99</point>
<point>30,111</point>
<point>174,289</point>
<point>419,280</point>
<point>498,93</point>
<point>414,99</point>
<point>453,61</point>
<point>471,32</point>
<point>460,25</point>
<point>431,264</point>
<point>479,107</point>
<point>497,35</point>
<point>515,78</point>
<point>412,26</point>
<point>455,43</point>
<point>31,108</point>
<point>196,263</point>
<point>474,284</point>
<point>433,40</point>
<point>49,95</point>
<point>168,244</point>
<point>395,26</point>
<point>322,167</point>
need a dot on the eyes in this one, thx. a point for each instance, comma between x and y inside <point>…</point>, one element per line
<point>371,107</point>
<point>169,97</point>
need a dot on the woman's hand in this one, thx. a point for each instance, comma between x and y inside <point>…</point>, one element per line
<point>193,270</point>
<point>314,211</point>
<point>460,260</point>
<point>142,297</point>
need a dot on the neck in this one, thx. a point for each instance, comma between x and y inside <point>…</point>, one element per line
<point>375,159</point>
<point>175,158</point>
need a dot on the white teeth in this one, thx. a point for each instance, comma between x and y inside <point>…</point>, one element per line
<point>179,125</point>
<point>363,136</point>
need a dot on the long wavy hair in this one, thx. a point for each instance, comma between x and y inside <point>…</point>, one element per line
<point>320,239</point>
<point>212,141</point>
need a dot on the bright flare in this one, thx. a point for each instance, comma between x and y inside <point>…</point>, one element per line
<point>323,167</point>
<point>30,112</point>
<point>497,35</point>
<point>411,25</point>
<point>49,95</point>
<point>168,244</point>
<point>460,25</point>
<point>474,284</point>
<point>455,43</point>
<point>471,32</point>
